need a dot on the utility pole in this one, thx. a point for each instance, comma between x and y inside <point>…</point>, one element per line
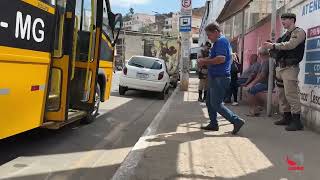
<point>185,34</point>
<point>271,60</point>
<point>123,47</point>
<point>243,29</point>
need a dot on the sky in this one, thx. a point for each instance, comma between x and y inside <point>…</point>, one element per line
<point>147,6</point>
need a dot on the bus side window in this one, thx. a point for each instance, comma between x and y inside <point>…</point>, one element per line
<point>87,31</point>
<point>59,31</point>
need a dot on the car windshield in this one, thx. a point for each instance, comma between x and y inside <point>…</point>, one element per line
<point>145,63</point>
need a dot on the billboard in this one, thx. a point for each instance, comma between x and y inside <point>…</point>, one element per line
<point>309,76</point>
<point>166,49</point>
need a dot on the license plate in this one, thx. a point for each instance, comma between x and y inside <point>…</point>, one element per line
<point>142,76</point>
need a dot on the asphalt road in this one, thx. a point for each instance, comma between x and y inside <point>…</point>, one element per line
<point>78,151</point>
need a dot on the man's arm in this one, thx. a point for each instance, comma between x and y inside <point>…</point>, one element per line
<point>297,37</point>
<point>258,79</point>
<point>216,60</point>
<point>250,79</point>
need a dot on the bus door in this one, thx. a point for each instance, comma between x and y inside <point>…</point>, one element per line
<point>26,29</point>
<point>106,63</point>
<point>85,61</point>
<point>74,70</point>
<point>57,106</point>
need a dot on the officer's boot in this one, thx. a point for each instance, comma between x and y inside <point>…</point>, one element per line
<point>200,96</point>
<point>286,119</point>
<point>204,96</point>
<point>295,124</point>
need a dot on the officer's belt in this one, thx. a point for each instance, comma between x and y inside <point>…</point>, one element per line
<point>286,62</point>
<point>279,82</point>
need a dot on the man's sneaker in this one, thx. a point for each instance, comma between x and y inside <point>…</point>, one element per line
<point>210,127</point>
<point>237,126</point>
<point>235,104</point>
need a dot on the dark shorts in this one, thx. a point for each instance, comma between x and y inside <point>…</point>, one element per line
<point>242,81</point>
<point>258,88</point>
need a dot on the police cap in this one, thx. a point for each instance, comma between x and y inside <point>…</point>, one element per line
<point>288,15</point>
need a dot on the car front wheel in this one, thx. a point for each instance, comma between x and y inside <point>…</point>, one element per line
<point>122,90</point>
<point>162,95</point>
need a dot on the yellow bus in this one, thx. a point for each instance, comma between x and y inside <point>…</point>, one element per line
<point>50,53</point>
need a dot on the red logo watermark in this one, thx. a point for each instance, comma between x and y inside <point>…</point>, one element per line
<point>293,165</point>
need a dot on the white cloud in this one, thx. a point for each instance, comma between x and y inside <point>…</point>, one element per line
<point>128,3</point>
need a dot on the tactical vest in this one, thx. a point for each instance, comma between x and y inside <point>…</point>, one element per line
<point>293,56</point>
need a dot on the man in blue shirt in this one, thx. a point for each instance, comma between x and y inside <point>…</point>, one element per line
<point>219,66</point>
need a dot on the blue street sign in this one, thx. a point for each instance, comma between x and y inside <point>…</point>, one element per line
<point>185,24</point>
<point>312,79</point>
<point>312,68</point>
<point>313,56</point>
<point>313,44</point>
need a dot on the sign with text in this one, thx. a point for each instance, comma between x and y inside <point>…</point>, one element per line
<point>186,4</point>
<point>25,26</point>
<point>185,24</point>
<point>186,8</point>
<point>309,76</point>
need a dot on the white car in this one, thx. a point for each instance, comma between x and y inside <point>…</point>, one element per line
<point>145,73</point>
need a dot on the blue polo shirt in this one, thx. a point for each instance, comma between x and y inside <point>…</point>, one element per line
<point>221,47</point>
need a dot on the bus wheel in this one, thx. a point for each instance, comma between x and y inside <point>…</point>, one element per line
<point>92,115</point>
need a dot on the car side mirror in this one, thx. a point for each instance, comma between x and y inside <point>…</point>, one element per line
<point>117,26</point>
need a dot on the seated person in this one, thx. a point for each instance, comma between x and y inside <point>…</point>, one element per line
<point>260,83</point>
<point>249,74</point>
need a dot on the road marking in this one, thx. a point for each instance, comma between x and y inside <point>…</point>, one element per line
<point>4,91</point>
<point>127,169</point>
<point>90,158</point>
<point>4,24</point>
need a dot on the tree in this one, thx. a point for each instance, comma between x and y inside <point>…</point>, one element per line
<point>131,11</point>
<point>128,16</point>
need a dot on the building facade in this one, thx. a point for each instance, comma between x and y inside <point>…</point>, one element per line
<point>138,21</point>
<point>212,11</point>
<point>171,25</point>
<point>247,23</point>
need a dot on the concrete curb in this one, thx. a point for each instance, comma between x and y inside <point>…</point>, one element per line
<point>127,169</point>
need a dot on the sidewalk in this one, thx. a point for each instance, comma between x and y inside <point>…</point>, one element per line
<point>180,150</point>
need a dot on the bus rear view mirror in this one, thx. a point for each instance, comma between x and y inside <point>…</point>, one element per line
<point>118,23</point>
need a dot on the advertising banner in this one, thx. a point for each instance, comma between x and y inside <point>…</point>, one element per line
<point>166,49</point>
<point>309,76</point>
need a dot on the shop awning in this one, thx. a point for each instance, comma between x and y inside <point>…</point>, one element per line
<point>231,8</point>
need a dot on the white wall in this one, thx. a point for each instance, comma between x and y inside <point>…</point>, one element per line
<point>139,20</point>
<point>133,46</point>
<point>309,92</point>
<point>214,8</point>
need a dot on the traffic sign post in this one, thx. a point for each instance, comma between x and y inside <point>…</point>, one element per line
<point>185,33</point>
<point>186,4</point>
<point>186,8</point>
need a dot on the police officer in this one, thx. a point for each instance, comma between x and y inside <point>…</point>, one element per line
<point>203,73</point>
<point>288,52</point>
